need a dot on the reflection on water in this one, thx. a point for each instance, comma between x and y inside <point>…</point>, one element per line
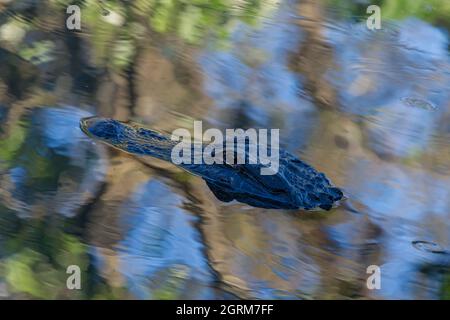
<point>369,108</point>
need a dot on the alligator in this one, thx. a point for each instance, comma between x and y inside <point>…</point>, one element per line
<point>296,185</point>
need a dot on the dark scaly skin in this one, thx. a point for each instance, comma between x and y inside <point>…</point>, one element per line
<point>296,185</point>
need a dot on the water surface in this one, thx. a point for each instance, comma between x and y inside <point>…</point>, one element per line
<point>371,109</point>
